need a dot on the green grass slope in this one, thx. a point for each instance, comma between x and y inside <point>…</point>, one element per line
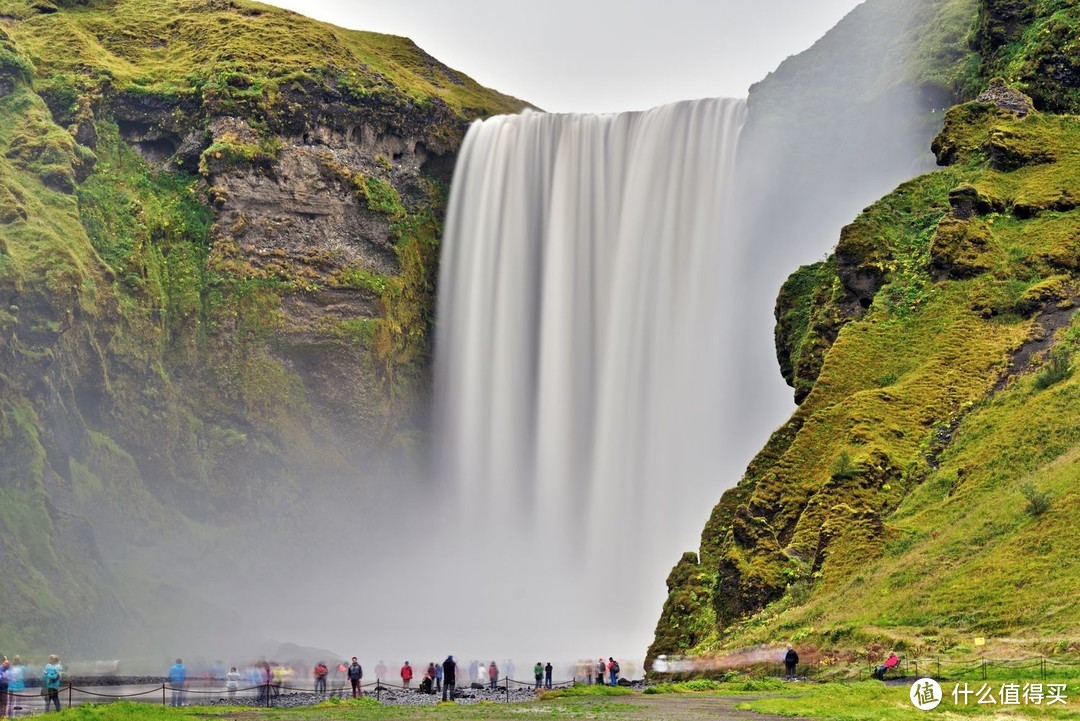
<point>925,490</point>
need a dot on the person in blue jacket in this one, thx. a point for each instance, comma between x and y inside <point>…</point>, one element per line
<point>177,679</point>
<point>51,677</point>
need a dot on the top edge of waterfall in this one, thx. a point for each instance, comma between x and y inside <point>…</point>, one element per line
<point>527,112</point>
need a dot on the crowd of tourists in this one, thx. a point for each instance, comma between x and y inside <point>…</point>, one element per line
<point>15,677</point>
<point>266,679</point>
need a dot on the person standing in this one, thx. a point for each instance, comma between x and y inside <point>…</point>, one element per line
<point>356,676</point>
<point>449,670</point>
<point>493,675</point>
<point>321,672</point>
<point>791,660</point>
<point>380,671</point>
<point>613,670</point>
<point>5,682</point>
<point>232,683</point>
<point>601,668</point>
<point>51,677</point>
<point>547,675</point>
<point>538,674</point>
<point>177,677</point>
<point>438,678</point>
<point>406,675</point>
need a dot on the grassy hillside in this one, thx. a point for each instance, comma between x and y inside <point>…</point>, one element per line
<point>183,342</point>
<point>924,491</point>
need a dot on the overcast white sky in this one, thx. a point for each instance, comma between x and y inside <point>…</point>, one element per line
<point>598,55</point>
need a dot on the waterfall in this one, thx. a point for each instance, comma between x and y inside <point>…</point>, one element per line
<point>584,297</point>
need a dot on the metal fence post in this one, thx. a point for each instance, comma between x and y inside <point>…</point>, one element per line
<point>162,694</point>
<point>507,689</point>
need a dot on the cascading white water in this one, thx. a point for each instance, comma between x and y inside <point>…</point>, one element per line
<point>581,319</point>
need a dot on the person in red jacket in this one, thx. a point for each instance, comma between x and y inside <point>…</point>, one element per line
<point>406,675</point>
<point>890,663</point>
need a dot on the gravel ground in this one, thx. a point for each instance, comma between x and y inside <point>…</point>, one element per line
<point>392,696</point>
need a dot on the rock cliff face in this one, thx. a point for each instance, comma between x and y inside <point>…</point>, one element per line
<point>218,237</point>
<point>931,357</point>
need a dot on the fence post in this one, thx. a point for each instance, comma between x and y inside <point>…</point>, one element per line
<point>378,689</point>
<point>268,701</point>
<point>938,668</point>
<point>162,694</point>
<point>69,695</point>
<point>507,689</point>
<point>1042,668</point>
<point>984,670</point>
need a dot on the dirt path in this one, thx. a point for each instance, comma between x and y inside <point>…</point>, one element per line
<point>694,707</point>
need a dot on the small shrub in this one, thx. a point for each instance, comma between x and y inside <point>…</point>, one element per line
<point>1038,502</point>
<point>843,467</point>
<point>1057,369</point>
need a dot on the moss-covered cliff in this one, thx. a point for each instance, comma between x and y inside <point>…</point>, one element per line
<point>905,501</point>
<point>218,231</point>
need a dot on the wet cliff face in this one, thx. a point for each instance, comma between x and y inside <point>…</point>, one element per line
<point>924,352</point>
<point>218,241</point>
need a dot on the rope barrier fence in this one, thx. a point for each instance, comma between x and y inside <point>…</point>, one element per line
<point>262,693</point>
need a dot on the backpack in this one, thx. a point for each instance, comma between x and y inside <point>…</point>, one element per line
<point>615,667</point>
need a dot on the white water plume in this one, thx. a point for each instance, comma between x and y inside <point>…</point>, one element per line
<point>583,309</point>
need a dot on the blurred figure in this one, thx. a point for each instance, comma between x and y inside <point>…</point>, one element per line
<point>339,678</point>
<point>472,670</point>
<point>232,683</point>
<point>356,678</point>
<point>438,677</point>
<point>601,668</point>
<point>177,678</point>
<point>493,675</point>
<point>380,671</point>
<point>406,675</point>
<point>449,667</point>
<point>5,681</point>
<point>660,664</point>
<point>791,661</point>
<point>51,677</point>
<point>429,675</point>
<point>320,672</point>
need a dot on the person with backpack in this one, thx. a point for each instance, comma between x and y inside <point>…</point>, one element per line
<point>356,676</point>
<point>791,660</point>
<point>51,677</point>
<point>613,670</point>
<point>406,675</point>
